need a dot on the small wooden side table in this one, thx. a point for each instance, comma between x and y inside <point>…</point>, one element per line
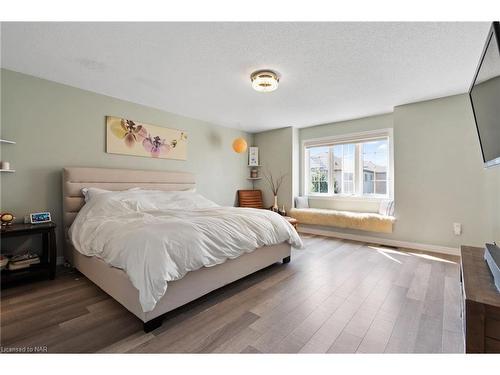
<point>292,221</point>
<point>47,263</point>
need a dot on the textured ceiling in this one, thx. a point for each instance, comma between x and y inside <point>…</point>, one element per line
<point>329,71</point>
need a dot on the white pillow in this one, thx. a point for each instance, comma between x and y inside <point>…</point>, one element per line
<point>301,202</point>
<point>88,193</point>
<point>386,207</point>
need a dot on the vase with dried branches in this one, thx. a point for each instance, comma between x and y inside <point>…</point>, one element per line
<point>275,185</point>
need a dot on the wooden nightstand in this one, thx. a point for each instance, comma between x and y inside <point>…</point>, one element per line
<point>47,264</point>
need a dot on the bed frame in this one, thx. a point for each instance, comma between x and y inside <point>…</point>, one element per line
<point>114,281</point>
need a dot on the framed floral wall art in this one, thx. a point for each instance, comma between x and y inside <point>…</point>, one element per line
<point>128,137</point>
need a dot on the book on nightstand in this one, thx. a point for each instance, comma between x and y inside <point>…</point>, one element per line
<point>3,261</point>
<point>18,262</point>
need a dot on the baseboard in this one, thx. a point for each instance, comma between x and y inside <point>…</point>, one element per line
<point>381,241</point>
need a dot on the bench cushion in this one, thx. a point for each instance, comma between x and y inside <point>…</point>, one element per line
<point>344,219</point>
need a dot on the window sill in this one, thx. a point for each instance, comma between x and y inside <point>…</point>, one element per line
<point>349,198</point>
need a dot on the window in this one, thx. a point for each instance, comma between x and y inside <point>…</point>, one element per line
<point>375,165</point>
<point>358,165</point>
<point>319,169</point>
<point>344,168</point>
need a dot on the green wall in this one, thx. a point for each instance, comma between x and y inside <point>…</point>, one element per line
<point>57,126</point>
<point>439,175</point>
<point>438,172</point>
<point>275,156</point>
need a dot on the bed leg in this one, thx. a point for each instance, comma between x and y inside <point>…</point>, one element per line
<point>152,324</point>
<point>286,260</point>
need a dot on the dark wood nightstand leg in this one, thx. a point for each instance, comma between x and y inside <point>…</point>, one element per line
<point>45,248</point>
<point>286,260</point>
<point>52,253</point>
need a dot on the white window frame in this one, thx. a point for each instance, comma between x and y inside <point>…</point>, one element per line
<point>356,138</point>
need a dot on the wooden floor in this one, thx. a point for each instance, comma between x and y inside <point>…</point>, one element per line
<point>334,297</point>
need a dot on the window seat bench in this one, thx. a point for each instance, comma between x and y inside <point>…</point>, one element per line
<point>372,222</point>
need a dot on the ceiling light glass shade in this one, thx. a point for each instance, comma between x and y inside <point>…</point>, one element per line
<point>239,145</point>
<point>264,80</point>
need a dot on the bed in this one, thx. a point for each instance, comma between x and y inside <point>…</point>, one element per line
<point>115,281</point>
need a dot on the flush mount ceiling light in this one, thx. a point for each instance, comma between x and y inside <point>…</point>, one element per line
<point>264,80</point>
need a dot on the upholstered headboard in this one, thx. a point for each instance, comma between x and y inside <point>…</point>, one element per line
<point>74,179</point>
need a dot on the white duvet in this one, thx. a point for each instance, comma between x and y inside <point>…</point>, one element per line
<point>157,237</point>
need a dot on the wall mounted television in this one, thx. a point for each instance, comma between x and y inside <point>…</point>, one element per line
<point>485,98</point>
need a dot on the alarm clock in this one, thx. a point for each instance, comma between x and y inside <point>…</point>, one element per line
<point>40,217</point>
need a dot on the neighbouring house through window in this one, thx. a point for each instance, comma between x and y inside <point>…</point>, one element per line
<point>357,165</point>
